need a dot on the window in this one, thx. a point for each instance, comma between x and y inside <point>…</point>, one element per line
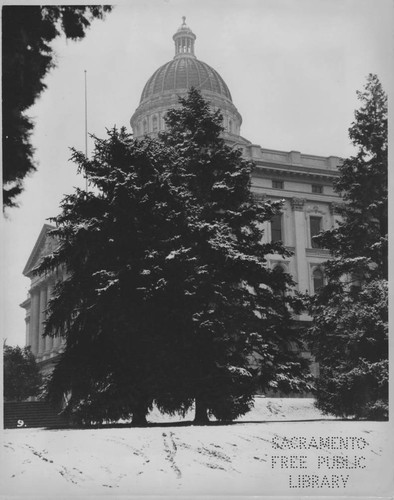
<point>318,279</point>
<point>277,184</point>
<point>315,227</point>
<point>276,228</point>
<point>317,188</point>
<point>278,269</point>
<point>154,122</point>
<point>145,126</point>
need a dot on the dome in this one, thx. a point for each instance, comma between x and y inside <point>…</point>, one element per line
<point>183,73</point>
<point>173,80</point>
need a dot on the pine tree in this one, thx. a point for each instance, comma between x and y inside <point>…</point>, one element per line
<point>112,239</point>
<point>22,377</point>
<point>350,332</point>
<point>167,296</point>
<point>227,306</point>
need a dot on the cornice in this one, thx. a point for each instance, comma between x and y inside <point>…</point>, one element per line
<point>289,170</point>
<point>265,194</point>
<point>26,303</point>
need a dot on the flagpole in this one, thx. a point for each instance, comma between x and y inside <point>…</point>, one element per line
<point>86,125</point>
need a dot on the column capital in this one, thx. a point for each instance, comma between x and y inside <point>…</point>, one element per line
<point>43,284</point>
<point>297,204</point>
<point>34,289</point>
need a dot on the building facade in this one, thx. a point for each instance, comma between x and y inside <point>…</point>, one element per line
<point>303,182</point>
<point>45,349</point>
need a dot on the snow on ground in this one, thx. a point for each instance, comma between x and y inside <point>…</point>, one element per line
<point>265,409</point>
<point>249,457</point>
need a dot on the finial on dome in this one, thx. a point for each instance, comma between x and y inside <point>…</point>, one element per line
<point>184,40</point>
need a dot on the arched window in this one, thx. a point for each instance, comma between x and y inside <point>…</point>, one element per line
<point>230,126</point>
<point>318,279</point>
<point>145,126</point>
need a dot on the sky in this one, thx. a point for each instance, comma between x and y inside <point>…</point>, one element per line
<point>292,66</point>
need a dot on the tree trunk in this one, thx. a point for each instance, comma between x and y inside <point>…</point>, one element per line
<point>201,413</point>
<point>139,418</point>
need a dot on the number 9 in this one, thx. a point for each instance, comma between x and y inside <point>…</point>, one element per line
<point>20,423</point>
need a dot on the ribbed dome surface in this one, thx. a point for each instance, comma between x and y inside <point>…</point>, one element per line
<point>173,80</point>
<point>183,73</point>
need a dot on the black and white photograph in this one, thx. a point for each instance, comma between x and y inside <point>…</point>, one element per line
<point>194,249</point>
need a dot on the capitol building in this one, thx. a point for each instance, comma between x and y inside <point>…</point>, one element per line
<point>304,182</point>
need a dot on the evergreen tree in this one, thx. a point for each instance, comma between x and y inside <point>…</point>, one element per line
<point>350,332</point>
<point>167,295</point>
<point>22,377</point>
<point>230,315</point>
<point>27,56</point>
<point>111,242</point>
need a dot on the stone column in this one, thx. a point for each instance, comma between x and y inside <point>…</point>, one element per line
<point>57,342</point>
<point>34,320</point>
<point>27,321</point>
<point>42,316</point>
<point>49,340</point>
<point>297,205</point>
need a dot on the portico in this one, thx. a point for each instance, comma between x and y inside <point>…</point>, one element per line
<point>40,292</point>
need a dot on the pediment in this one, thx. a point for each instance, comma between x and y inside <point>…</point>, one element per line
<point>44,245</point>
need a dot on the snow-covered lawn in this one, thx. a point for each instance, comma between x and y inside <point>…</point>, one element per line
<point>250,457</point>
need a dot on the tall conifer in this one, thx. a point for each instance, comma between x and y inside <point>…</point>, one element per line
<point>168,297</point>
<point>233,312</point>
<point>350,332</point>
<point>111,240</point>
